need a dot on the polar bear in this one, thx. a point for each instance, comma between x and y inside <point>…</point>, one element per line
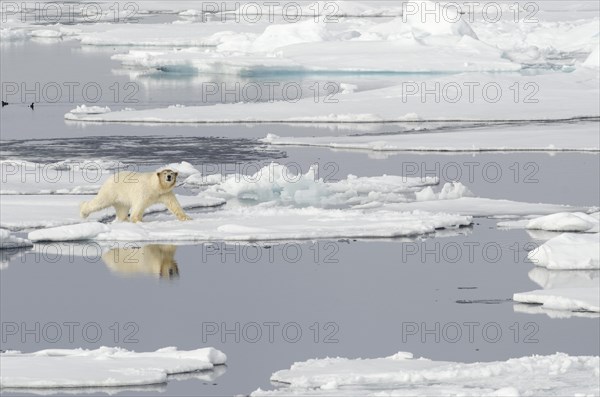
<point>136,191</point>
<point>154,259</point>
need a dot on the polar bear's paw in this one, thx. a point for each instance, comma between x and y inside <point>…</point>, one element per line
<point>184,218</point>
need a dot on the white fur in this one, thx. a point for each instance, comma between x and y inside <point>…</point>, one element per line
<point>135,191</point>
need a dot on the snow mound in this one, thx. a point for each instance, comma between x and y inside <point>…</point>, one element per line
<point>103,367</point>
<point>83,109</point>
<point>566,222</point>
<point>276,36</point>
<point>402,375</point>
<point>569,251</point>
<point>9,241</point>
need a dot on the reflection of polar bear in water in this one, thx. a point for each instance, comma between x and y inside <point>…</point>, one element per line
<point>156,259</point>
<point>136,191</point>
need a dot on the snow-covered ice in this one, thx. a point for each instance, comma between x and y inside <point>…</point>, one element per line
<point>264,223</point>
<point>403,375</point>
<point>103,367</point>
<point>560,222</point>
<point>572,299</point>
<point>83,109</point>
<point>568,272</point>
<point>569,251</point>
<point>565,96</point>
<point>279,184</point>
<point>580,137</point>
<point>564,291</point>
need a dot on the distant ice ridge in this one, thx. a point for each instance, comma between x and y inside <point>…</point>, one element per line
<point>402,375</point>
<point>103,367</point>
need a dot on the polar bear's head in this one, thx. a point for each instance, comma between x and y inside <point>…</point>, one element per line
<point>167,179</point>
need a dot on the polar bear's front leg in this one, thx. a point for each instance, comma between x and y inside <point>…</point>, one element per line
<point>170,201</point>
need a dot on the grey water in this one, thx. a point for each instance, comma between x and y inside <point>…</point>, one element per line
<point>366,298</point>
<point>320,298</point>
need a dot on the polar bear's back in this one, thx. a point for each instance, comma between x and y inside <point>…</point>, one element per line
<point>128,187</point>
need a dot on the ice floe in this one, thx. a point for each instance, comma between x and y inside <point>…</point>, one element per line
<point>83,109</point>
<point>264,223</point>
<point>570,282</point>
<point>564,96</point>
<point>569,251</point>
<point>103,367</point>
<point>403,375</point>
<point>581,137</point>
<point>560,222</point>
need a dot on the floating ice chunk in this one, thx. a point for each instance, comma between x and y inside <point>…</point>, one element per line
<point>560,222</point>
<point>571,299</point>
<point>566,289</point>
<point>566,222</point>
<point>103,367</point>
<point>572,290</point>
<point>568,251</point>
<point>402,375</point>
<point>9,241</point>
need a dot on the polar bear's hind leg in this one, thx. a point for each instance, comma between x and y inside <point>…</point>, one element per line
<point>137,212</point>
<point>96,204</point>
<point>122,212</point>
